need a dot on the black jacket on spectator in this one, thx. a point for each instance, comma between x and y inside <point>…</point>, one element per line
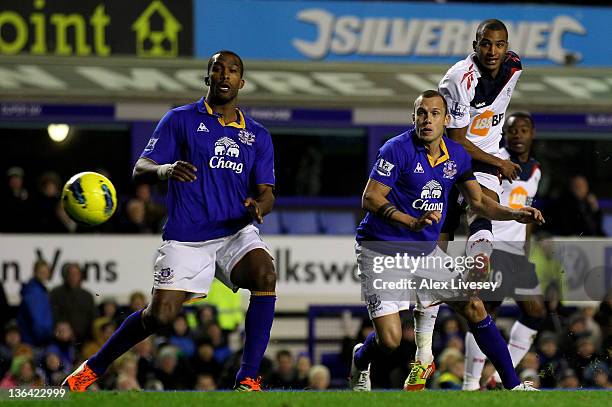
<point>75,305</point>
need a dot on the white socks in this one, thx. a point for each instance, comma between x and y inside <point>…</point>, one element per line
<point>480,242</point>
<point>521,338</point>
<point>473,364</point>
<point>424,322</point>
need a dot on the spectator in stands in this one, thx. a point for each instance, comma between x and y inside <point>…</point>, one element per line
<point>584,357</point>
<point>588,313</point>
<point>284,374</point>
<point>168,371</point>
<point>207,315</point>
<point>53,369</point>
<point>556,312</point>
<point>597,375</point>
<point>51,216</point>
<point>450,332</point>
<point>319,378</point>
<point>22,374</point>
<point>138,300</point>
<point>35,318</point>
<point>569,380</point>
<point>6,312</point>
<point>205,382</point>
<point>134,218</point>
<point>181,337</point>
<point>604,319</point>
<point>73,303</point>
<point>303,366</point>
<point>576,330</point>
<point>63,345</point>
<point>12,340</point>
<point>102,330</point>
<point>154,213</point>
<point>146,361</point>
<point>222,351</point>
<point>551,361</point>
<point>578,210</point>
<point>203,361</point>
<point>17,202</point>
<point>529,362</point>
<point>127,373</point>
<point>548,267</point>
<point>451,370</point>
<point>109,309</point>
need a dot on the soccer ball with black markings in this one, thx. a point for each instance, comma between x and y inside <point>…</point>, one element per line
<point>89,198</point>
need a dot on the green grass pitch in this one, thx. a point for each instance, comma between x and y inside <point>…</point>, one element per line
<point>333,399</point>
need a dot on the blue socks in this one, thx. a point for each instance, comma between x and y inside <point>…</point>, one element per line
<point>130,333</point>
<point>257,326</point>
<point>365,354</point>
<point>493,345</point>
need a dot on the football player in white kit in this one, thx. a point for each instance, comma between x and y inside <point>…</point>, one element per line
<point>509,261</point>
<point>477,90</point>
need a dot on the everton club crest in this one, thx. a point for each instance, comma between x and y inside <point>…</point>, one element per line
<point>450,169</point>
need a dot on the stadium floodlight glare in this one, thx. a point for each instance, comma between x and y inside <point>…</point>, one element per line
<point>58,132</point>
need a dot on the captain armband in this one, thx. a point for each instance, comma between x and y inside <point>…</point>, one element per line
<point>386,211</point>
<point>466,176</point>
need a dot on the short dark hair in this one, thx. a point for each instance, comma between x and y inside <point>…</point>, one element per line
<point>430,93</point>
<point>490,24</point>
<point>523,115</point>
<point>228,52</point>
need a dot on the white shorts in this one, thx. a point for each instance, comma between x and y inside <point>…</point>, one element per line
<point>191,266</point>
<point>489,181</point>
<point>381,303</point>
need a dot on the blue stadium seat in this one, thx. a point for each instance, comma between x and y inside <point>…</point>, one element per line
<point>300,222</point>
<point>607,225</point>
<point>337,222</point>
<point>338,369</point>
<point>271,225</point>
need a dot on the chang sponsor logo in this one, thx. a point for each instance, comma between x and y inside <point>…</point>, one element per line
<point>226,147</point>
<point>431,190</point>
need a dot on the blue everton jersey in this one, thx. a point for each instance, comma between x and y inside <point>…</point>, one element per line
<point>232,159</point>
<point>418,184</point>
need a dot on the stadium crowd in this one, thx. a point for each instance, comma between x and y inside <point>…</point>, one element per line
<point>53,331</point>
<point>142,211</point>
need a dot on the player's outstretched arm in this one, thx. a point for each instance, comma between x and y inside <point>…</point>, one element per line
<point>507,168</point>
<point>375,200</point>
<point>487,207</point>
<point>149,171</point>
<point>262,205</point>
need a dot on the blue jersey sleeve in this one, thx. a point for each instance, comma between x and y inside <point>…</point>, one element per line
<point>465,169</point>
<point>263,168</point>
<point>389,164</point>
<point>162,146</point>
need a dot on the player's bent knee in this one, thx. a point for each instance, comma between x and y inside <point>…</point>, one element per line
<point>389,341</point>
<point>265,279</point>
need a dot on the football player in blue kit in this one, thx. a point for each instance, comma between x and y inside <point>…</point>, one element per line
<point>478,90</point>
<point>219,166</point>
<point>406,198</point>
